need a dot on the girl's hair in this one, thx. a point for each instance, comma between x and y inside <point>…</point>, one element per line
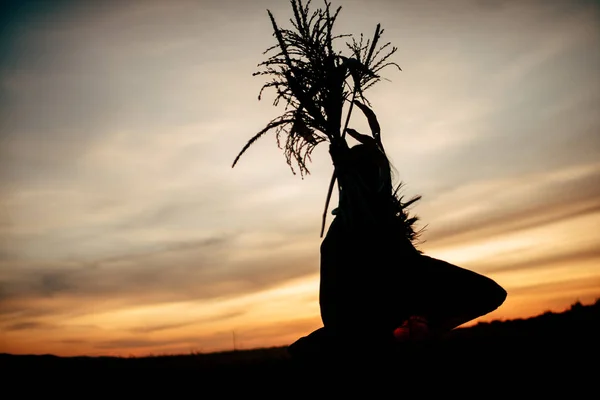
<point>383,183</point>
<point>406,222</point>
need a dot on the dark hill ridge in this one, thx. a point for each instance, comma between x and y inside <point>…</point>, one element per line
<point>546,353</point>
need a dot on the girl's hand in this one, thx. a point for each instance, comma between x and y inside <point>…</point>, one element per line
<point>338,151</point>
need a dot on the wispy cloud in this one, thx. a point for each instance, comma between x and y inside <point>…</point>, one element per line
<point>511,204</point>
<point>21,326</point>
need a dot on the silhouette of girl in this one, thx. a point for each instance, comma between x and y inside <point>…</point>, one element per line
<point>376,288</point>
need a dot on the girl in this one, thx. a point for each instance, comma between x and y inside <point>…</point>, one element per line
<point>376,288</point>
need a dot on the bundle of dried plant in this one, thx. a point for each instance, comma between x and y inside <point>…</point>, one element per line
<point>316,81</point>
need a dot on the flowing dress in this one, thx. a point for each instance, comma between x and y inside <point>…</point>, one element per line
<point>372,277</point>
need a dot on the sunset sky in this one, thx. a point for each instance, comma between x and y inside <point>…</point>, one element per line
<point>124,230</point>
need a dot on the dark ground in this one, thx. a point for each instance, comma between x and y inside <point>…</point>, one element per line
<point>552,354</point>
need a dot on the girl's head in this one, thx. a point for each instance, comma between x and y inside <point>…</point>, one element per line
<point>373,167</point>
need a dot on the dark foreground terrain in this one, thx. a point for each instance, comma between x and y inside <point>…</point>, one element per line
<point>551,354</point>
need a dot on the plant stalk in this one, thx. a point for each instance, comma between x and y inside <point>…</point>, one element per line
<point>333,176</point>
